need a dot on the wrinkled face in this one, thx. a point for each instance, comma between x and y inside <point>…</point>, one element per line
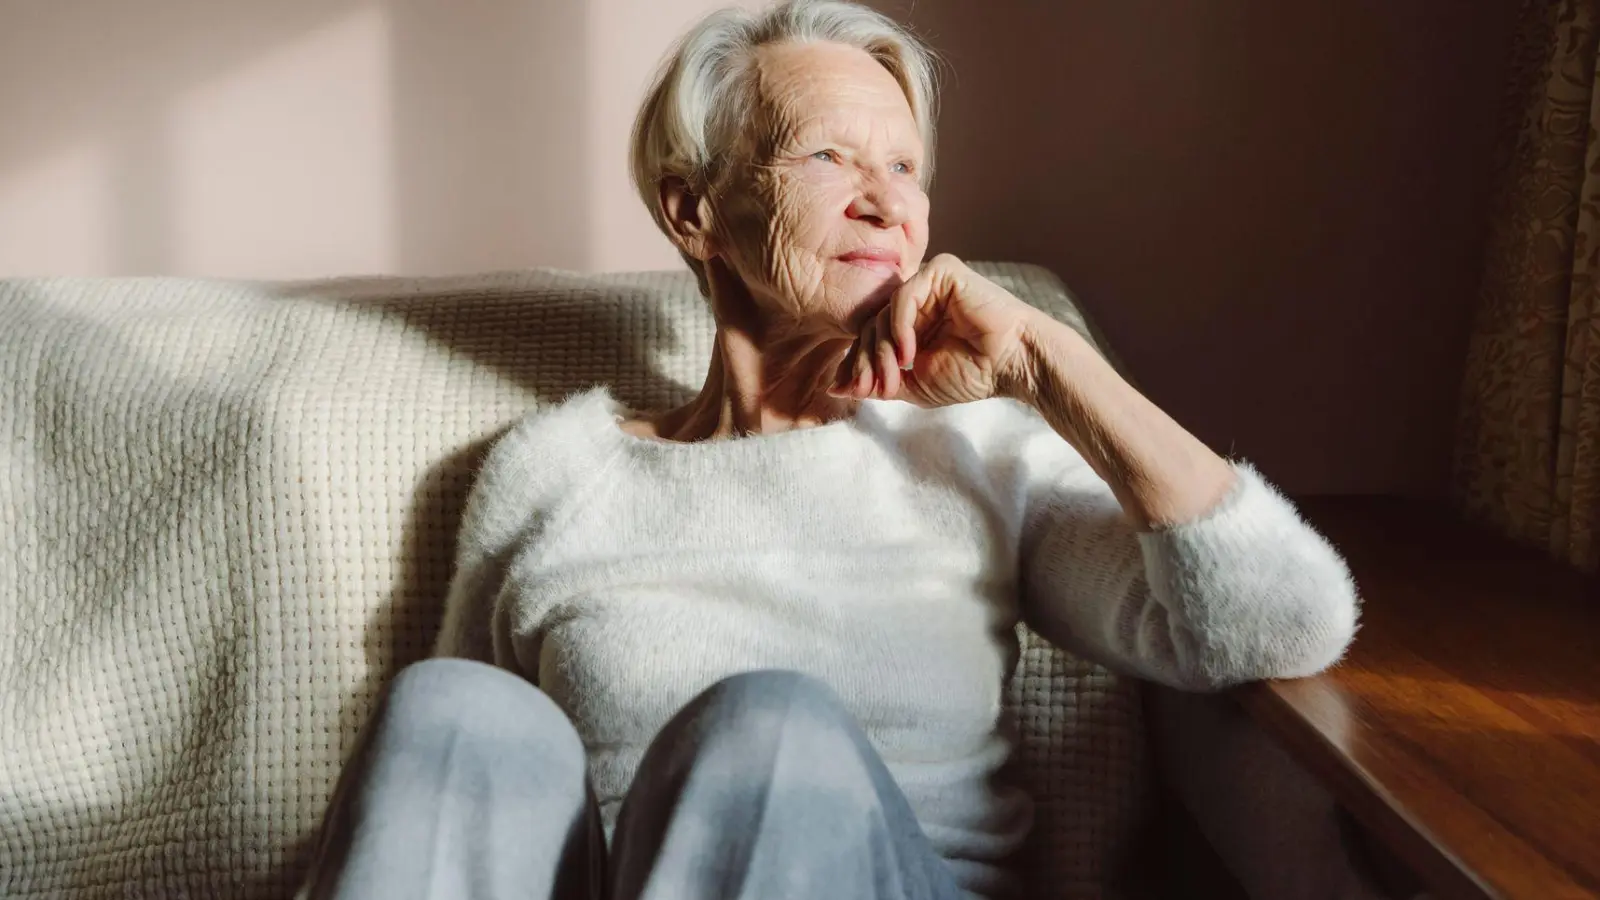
<point>824,216</point>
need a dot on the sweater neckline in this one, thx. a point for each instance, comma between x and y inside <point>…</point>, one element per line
<point>796,441</point>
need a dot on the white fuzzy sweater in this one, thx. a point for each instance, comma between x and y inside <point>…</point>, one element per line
<point>891,556</point>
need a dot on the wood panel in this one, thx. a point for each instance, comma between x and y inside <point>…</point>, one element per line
<point>1463,727</point>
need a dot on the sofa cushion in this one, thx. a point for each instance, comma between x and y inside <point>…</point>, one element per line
<point>227,516</point>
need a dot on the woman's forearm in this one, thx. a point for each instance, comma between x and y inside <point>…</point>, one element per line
<point>1161,474</point>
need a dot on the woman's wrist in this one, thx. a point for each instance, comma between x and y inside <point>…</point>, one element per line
<point>1160,473</point>
<point>1047,355</point>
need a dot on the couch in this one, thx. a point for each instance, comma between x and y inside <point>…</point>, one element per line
<point>227,513</point>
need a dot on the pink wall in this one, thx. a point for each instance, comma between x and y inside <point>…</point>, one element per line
<point>309,137</point>
<point>1272,207</point>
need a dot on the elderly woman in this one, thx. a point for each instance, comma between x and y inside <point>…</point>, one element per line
<point>770,629</point>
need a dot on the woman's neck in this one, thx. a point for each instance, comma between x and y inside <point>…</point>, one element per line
<point>764,377</point>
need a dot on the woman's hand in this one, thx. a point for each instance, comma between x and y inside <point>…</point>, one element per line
<point>952,336</point>
<point>948,336</point>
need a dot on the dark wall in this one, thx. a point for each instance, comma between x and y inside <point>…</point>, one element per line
<point>1273,207</point>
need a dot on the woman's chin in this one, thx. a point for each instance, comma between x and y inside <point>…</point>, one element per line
<point>864,297</point>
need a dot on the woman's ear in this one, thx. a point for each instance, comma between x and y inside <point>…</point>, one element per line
<point>688,217</point>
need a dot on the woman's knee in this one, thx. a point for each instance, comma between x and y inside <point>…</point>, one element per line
<point>457,699</point>
<point>755,708</point>
<point>766,740</point>
<point>775,691</point>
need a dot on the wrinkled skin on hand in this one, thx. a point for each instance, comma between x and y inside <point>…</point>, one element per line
<point>948,336</point>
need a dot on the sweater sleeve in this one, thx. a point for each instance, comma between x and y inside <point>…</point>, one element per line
<point>1246,592</point>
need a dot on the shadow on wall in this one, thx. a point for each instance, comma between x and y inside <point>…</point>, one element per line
<point>297,137</point>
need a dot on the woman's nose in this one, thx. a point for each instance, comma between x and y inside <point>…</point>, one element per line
<point>877,201</point>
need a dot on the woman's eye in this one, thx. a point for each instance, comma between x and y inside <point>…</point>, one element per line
<point>825,155</point>
<point>902,168</point>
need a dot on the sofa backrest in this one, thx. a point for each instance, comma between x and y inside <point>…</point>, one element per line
<point>227,517</point>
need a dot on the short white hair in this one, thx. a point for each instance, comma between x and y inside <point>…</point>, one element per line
<point>701,100</point>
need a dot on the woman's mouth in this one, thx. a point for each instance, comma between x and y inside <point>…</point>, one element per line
<point>876,259</point>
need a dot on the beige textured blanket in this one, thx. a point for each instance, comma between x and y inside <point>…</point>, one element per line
<point>226,517</point>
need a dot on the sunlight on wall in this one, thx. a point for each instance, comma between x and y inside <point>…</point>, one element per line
<point>55,216</point>
<point>336,137</point>
<point>282,168</point>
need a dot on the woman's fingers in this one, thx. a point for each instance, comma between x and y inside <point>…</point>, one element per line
<point>903,309</point>
<point>844,375</point>
<point>886,349</point>
<point>902,312</point>
<point>862,384</point>
<point>884,356</point>
<point>917,306</point>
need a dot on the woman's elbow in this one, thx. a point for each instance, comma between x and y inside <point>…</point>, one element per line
<point>1309,642</point>
<point>1300,636</point>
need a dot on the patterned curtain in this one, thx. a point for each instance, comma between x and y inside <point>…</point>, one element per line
<point>1528,448</point>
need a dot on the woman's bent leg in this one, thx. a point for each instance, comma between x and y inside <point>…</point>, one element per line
<point>468,783</point>
<point>765,787</point>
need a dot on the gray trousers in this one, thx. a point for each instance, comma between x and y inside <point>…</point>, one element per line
<point>470,783</point>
